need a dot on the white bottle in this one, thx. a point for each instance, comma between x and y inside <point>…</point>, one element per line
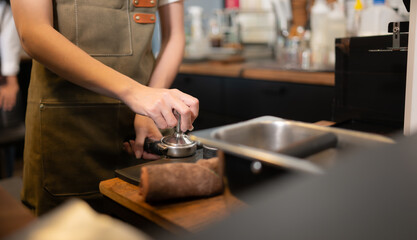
<point>198,44</point>
<point>375,19</point>
<point>196,21</point>
<point>319,44</point>
<point>336,28</point>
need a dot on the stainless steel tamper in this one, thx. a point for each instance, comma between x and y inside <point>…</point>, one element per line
<point>176,145</point>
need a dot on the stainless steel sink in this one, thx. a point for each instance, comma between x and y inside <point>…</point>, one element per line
<point>262,138</point>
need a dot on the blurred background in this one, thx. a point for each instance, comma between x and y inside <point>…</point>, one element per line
<point>298,34</point>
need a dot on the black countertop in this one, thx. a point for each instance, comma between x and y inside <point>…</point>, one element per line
<point>368,195</point>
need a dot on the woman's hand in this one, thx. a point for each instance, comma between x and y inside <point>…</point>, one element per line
<point>158,104</point>
<point>144,127</point>
<point>8,93</point>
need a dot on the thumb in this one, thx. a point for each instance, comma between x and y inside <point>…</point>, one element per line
<point>138,146</point>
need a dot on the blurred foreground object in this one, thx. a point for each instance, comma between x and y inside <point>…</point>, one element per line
<point>76,220</point>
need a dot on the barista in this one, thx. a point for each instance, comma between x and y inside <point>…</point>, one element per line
<point>92,62</point>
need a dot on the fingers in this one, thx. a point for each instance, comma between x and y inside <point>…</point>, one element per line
<point>130,146</point>
<point>7,103</point>
<point>158,104</point>
<point>127,147</point>
<point>160,111</point>
<point>192,103</point>
<point>169,117</point>
<point>138,146</point>
<point>12,103</point>
<point>150,156</point>
<point>187,106</point>
<point>184,111</point>
<point>162,114</point>
<point>144,127</point>
<point>8,94</point>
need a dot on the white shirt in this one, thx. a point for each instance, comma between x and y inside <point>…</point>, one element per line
<point>164,2</point>
<point>10,48</point>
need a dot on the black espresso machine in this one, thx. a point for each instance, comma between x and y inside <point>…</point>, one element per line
<point>370,81</point>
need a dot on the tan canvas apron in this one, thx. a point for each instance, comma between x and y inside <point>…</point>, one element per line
<point>74,136</point>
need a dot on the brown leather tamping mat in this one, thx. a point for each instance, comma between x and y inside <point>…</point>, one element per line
<point>132,174</point>
<point>179,216</point>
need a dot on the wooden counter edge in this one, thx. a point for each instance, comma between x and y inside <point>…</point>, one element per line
<point>257,73</point>
<point>315,78</point>
<point>211,69</point>
<point>105,188</point>
<point>172,217</point>
<point>324,123</point>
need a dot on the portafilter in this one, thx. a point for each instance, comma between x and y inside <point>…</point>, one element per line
<point>177,145</point>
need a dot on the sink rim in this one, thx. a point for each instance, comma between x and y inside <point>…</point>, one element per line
<point>208,137</point>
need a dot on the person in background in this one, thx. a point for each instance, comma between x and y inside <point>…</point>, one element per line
<point>94,81</point>
<point>10,50</point>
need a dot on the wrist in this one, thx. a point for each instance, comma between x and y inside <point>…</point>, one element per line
<point>130,94</point>
<point>126,90</point>
<point>11,80</point>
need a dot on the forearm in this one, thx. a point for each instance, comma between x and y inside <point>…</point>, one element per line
<point>34,21</point>
<point>70,62</point>
<point>59,55</point>
<point>173,43</point>
<point>168,63</point>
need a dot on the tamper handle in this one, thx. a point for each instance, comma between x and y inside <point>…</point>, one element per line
<point>178,129</point>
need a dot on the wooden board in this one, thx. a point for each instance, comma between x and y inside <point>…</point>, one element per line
<point>258,71</point>
<point>315,78</point>
<point>212,68</point>
<point>178,217</point>
<point>13,215</point>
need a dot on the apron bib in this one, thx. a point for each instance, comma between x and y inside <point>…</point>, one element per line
<point>74,136</point>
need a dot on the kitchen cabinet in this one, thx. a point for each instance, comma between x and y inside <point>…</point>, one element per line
<point>225,100</point>
<point>249,98</point>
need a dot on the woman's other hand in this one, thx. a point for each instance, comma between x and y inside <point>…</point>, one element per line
<point>8,93</point>
<point>144,128</point>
